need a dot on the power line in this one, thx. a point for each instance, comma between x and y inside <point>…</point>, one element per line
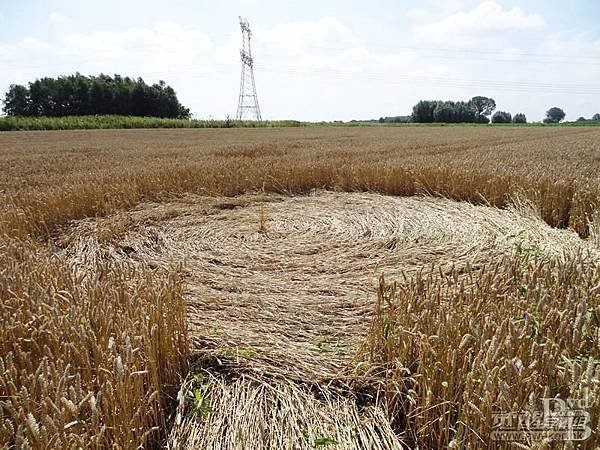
<point>474,58</point>
<point>334,74</point>
<point>506,57</point>
<point>436,81</point>
<point>341,75</point>
<point>465,50</point>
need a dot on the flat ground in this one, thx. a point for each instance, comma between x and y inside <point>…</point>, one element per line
<point>283,234</point>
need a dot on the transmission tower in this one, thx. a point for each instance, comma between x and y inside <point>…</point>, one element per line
<point>248,101</point>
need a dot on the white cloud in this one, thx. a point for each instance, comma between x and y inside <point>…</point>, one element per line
<point>417,13</point>
<point>35,44</point>
<point>162,34</point>
<point>574,45</point>
<point>315,70</point>
<point>296,37</point>
<point>57,18</point>
<point>486,19</point>
<point>161,47</point>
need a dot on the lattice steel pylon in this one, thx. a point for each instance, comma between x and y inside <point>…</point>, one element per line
<point>248,101</point>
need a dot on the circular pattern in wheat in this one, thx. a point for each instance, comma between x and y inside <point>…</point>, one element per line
<point>287,284</point>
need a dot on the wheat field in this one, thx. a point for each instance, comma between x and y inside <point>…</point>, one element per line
<point>344,288</point>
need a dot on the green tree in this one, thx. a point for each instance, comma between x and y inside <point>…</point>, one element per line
<point>501,117</point>
<point>596,117</point>
<point>42,94</point>
<point>102,95</point>
<point>423,111</point>
<point>519,118</point>
<point>444,112</point>
<point>483,106</point>
<point>454,112</point>
<point>16,102</point>
<point>554,115</point>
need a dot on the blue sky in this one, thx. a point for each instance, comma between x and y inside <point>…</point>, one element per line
<point>318,60</point>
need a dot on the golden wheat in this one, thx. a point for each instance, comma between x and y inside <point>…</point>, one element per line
<point>45,185</point>
<point>445,351</point>
<point>89,359</point>
<point>94,312</point>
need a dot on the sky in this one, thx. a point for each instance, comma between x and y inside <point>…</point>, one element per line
<point>320,60</point>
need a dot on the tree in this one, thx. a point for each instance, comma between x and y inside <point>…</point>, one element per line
<point>519,118</point>
<point>444,112</point>
<point>453,112</point>
<point>483,106</point>
<point>596,117</point>
<point>554,115</point>
<point>501,117</point>
<point>16,101</point>
<point>102,95</point>
<point>581,119</point>
<point>42,96</point>
<point>423,111</point>
<point>465,113</point>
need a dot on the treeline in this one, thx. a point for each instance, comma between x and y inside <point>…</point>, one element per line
<point>476,110</point>
<point>595,118</point>
<point>79,95</point>
<point>395,119</point>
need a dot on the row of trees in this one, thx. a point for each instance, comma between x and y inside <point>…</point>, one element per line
<point>553,115</point>
<point>78,95</point>
<point>476,110</point>
<point>595,118</point>
<point>395,119</point>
